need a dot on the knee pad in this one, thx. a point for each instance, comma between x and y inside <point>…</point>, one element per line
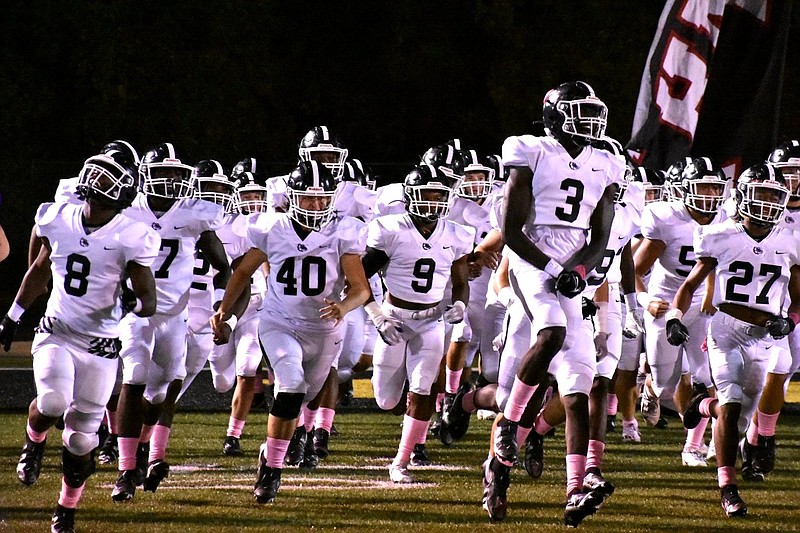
<point>76,472</point>
<point>222,384</point>
<point>79,443</point>
<point>287,405</point>
<point>134,374</point>
<point>52,404</point>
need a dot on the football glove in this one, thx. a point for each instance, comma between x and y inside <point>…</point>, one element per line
<point>570,284</point>
<point>677,333</point>
<point>778,328</point>
<point>8,329</point>
<point>454,314</point>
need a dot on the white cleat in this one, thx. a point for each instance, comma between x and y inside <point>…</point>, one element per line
<point>486,414</point>
<point>694,458</point>
<point>631,434</point>
<point>711,454</point>
<point>400,474</point>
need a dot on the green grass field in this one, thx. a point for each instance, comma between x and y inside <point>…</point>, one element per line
<point>208,492</point>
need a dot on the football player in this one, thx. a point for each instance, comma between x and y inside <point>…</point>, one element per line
<point>757,266</point>
<point>311,255</point>
<point>154,348</point>
<point>667,228</point>
<point>88,250</point>
<point>417,253</point>
<point>574,186</point>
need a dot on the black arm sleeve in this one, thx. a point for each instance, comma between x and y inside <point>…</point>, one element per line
<point>373,261</point>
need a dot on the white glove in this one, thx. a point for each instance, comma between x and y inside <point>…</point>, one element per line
<point>506,296</point>
<point>455,313</point>
<point>390,329</point>
<point>601,344</point>
<point>499,341</point>
<point>634,317</point>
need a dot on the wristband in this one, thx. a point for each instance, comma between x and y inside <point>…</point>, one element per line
<point>602,316</point>
<point>16,312</point>
<point>137,307</point>
<point>553,268</point>
<point>794,317</point>
<point>673,313</point>
<point>581,271</point>
<point>505,295</point>
<point>643,298</point>
<point>232,321</point>
<point>218,294</point>
<point>630,300</point>
<point>373,310</point>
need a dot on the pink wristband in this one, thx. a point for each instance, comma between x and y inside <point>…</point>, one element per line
<point>794,317</point>
<point>580,270</point>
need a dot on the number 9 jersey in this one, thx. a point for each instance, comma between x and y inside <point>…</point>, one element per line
<point>304,272</point>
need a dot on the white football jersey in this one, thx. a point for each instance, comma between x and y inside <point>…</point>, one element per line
<point>180,228</point>
<point>622,231</point>
<point>418,268</point>
<point>478,217</point>
<point>671,223</point>
<point>355,201</point>
<point>749,272</point>
<point>390,200</point>
<point>276,194</point>
<point>304,272</point>
<point>791,219</point>
<point>88,268</point>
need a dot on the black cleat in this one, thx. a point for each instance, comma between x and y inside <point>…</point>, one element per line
<point>732,503</point>
<point>534,455</point>
<point>444,419</point>
<point>611,423</point>
<point>496,479</point>
<point>436,426</point>
<point>749,472</point>
<point>692,416</point>
<point>125,487</point>
<point>103,434</point>
<point>231,447</point>
<point>334,431</point>
<point>661,423</point>
<point>310,458</point>
<point>505,442</point>
<point>321,438</point>
<point>267,483</point>
<point>109,451</point>
<point>157,471</point>
<point>764,456</point>
<point>142,455</point>
<point>30,461</point>
<point>594,481</point>
<point>346,393</point>
<point>457,418</point>
<point>294,455</point>
<point>63,520</point>
<point>419,457</point>
<point>580,505</point>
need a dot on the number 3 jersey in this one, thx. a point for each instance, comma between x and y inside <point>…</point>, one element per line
<point>180,228</point>
<point>418,269</point>
<point>565,190</point>
<point>88,268</point>
<point>749,272</point>
<point>304,272</point>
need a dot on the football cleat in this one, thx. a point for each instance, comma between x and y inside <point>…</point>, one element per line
<point>505,441</point>
<point>142,453</point>
<point>732,503</point>
<point>419,456</point>
<point>694,458</point>
<point>630,433</point>
<point>436,426</point>
<point>711,451</point>
<point>580,505</point>
<point>109,451</point>
<point>611,423</point>
<point>399,474</point>
<point>231,446</point>
<point>346,393</point>
<point>310,459</point>
<point>496,480</point>
<point>457,417</point>
<point>749,472</point>
<point>692,415</point>
<point>321,437</point>
<point>157,471</point>
<point>486,414</point>
<point>268,482</point>
<point>444,419</point>
<point>534,455</point>
<point>30,461</point>
<point>63,520</point>
<point>103,433</point>
<point>651,408</point>
<point>764,457</point>
<point>594,481</point>
<point>125,487</point>
<point>294,455</point>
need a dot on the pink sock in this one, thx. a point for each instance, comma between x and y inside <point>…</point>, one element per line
<point>518,400</point>
<point>324,418</point>
<point>468,402</point>
<point>413,433</point>
<point>453,380</point>
<point>70,496</point>
<point>112,421</point>
<point>158,443</point>
<point>127,452</point>
<point>34,435</point>
<point>235,427</point>
<point>146,434</point>
<point>576,470</point>
<point>706,406</point>
<point>695,437</point>
<point>767,423</point>
<point>726,475</point>
<point>594,458</point>
<point>276,451</point>
<point>309,417</point>
<point>541,426</point>
<point>752,434</point>
<point>631,423</point>
<point>612,405</point>
<point>522,434</point>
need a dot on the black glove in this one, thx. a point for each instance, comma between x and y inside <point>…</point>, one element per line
<point>127,299</point>
<point>8,329</point>
<point>780,327</point>
<point>588,308</point>
<point>677,333</point>
<point>569,283</point>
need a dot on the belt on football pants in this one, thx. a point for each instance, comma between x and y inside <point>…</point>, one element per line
<point>406,314</point>
<point>742,326</point>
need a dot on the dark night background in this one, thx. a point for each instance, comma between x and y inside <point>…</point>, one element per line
<point>227,80</point>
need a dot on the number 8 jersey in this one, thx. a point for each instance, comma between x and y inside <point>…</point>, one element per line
<point>749,272</point>
<point>304,272</point>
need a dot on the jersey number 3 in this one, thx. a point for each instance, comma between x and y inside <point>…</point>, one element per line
<point>573,200</point>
